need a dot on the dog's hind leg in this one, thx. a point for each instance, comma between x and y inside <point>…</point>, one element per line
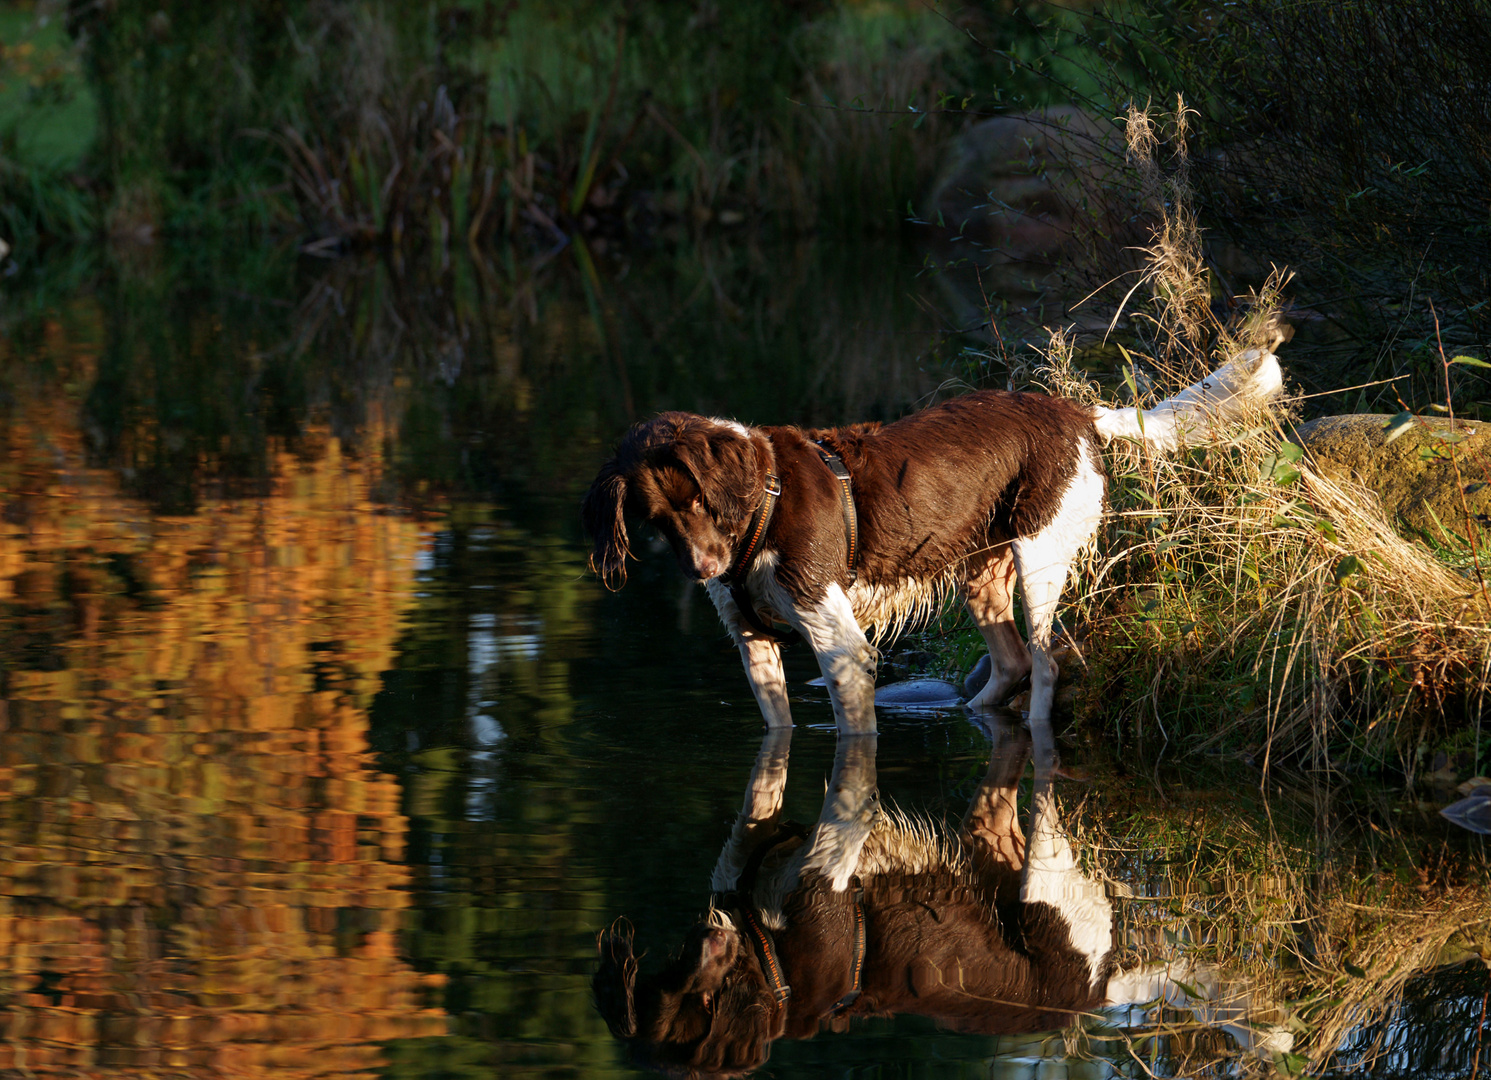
<point>845,657</point>
<point>989,596</point>
<point>991,827</point>
<point>1043,561</point>
<point>1042,575</point>
<point>1052,875</point>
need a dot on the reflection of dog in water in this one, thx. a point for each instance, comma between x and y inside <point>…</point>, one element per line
<point>870,913</point>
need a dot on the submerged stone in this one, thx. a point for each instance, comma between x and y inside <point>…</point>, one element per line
<point>918,694</point>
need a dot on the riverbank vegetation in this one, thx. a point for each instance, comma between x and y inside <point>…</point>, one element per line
<point>335,124</point>
<point>1238,599</point>
<point>1241,601</point>
<point>362,121</point>
<point>339,123</point>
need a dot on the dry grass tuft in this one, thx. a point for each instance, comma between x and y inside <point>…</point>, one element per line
<point>1176,270</point>
<point>1390,945</point>
<point>1238,596</point>
<point>1235,575</point>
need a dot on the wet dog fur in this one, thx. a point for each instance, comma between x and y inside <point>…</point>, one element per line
<point>966,497</point>
<point>985,930</point>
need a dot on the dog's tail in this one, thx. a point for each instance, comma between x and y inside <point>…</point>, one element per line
<point>1241,386</point>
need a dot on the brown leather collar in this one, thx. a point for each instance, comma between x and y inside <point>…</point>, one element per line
<point>846,504</point>
<point>742,898</point>
<point>736,575</point>
<point>756,532</point>
<point>856,952</point>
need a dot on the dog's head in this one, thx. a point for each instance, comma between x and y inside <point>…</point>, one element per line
<point>695,479</point>
<point>708,1012</point>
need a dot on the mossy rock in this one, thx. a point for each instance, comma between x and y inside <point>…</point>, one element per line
<point>1413,475</point>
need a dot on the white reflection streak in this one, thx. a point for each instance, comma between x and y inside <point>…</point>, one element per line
<point>487,648</point>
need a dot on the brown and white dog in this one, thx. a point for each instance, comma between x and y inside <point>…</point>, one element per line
<point>986,930</point>
<point>960,498</point>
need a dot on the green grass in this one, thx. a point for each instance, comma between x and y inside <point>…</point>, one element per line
<point>48,123</point>
<point>48,115</point>
<point>812,117</point>
<point>810,121</point>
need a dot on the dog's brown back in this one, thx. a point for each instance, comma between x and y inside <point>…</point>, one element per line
<point>947,481</point>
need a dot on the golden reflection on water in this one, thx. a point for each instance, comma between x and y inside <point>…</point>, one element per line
<point>199,864</point>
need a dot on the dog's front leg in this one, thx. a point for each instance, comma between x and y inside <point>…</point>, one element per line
<point>845,657</point>
<point>761,810</point>
<point>761,657</point>
<point>763,668</point>
<point>850,806</point>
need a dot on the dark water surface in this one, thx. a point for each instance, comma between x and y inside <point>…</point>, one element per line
<point>320,752</point>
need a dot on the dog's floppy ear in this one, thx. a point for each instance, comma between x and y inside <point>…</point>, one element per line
<point>615,981</point>
<point>726,465</point>
<point>603,515</point>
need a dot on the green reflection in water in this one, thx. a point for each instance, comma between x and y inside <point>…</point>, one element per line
<point>203,581</point>
<point>500,909</point>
